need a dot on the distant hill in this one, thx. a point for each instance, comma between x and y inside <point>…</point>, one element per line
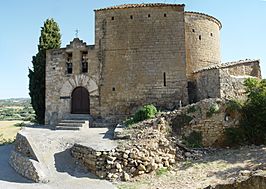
<point>16,109</point>
<point>15,102</point>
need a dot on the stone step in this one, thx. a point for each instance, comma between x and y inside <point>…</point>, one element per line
<point>67,128</point>
<point>78,117</point>
<point>71,124</point>
<point>72,121</point>
<point>102,124</point>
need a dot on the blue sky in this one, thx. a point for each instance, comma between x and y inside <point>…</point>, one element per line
<point>243,34</point>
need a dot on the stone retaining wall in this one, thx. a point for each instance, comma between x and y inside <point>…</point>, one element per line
<point>209,118</point>
<point>24,160</point>
<point>26,167</point>
<point>126,162</point>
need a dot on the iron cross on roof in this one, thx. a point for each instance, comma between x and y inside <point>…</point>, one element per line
<point>77,33</point>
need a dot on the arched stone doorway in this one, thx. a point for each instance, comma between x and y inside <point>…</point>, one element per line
<point>80,101</point>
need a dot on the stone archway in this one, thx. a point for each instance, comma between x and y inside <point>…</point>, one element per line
<point>80,101</point>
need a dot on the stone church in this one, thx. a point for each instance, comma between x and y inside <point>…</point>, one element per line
<point>143,53</point>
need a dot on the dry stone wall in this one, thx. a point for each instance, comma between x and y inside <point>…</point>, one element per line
<point>148,154</point>
<point>209,118</point>
<point>25,162</point>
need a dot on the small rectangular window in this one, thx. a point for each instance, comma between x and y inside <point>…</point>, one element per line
<point>113,18</point>
<point>149,15</point>
<point>131,17</point>
<point>69,65</point>
<point>165,15</point>
<point>164,79</point>
<point>211,34</point>
<point>193,30</point>
<point>113,89</point>
<point>200,37</point>
<point>69,68</point>
<point>84,67</point>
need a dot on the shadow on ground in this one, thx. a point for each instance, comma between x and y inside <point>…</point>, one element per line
<point>64,162</point>
<point>7,173</point>
<point>245,158</point>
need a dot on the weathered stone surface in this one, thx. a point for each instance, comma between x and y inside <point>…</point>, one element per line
<point>155,61</point>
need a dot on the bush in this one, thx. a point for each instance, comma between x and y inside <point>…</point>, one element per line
<point>213,109</point>
<point>146,112</point>
<point>234,106</point>
<point>234,136</point>
<point>253,115</point>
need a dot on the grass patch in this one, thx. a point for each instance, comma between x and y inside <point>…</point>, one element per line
<point>8,131</point>
<point>161,171</point>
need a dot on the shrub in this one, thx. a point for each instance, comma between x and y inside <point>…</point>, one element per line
<point>234,136</point>
<point>234,106</point>
<point>253,115</point>
<point>213,109</point>
<point>192,109</point>
<point>146,112</point>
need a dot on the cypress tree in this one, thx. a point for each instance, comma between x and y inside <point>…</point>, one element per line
<point>50,39</point>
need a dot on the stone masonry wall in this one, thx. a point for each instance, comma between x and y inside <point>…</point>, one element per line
<point>233,77</point>
<point>142,57</point>
<point>207,84</point>
<point>225,80</point>
<point>60,84</point>
<point>133,157</point>
<point>202,41</point>
<point>24,160</point>
<point>209,118</point>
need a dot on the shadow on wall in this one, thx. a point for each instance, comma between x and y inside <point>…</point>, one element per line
<point>7,173</point>
<point>65,163</point>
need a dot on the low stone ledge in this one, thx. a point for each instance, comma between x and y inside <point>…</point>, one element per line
<point>23,147</point>
<point>27,167</point>
<point>119,133</point>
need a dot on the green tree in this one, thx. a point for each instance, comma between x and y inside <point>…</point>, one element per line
<point>50,39</point>
<point>252,128</point>
<point>254,111</point>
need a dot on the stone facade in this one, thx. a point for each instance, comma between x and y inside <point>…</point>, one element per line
<point>143,53</point>
<point>225,80</point>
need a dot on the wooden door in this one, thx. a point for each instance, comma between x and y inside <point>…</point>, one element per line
<point>80,101</point>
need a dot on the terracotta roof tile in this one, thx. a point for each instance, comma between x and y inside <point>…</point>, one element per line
<point>125,6</point>
<point>225,65</point>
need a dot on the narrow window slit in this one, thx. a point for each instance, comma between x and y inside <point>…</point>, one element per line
<point>164,79</point>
